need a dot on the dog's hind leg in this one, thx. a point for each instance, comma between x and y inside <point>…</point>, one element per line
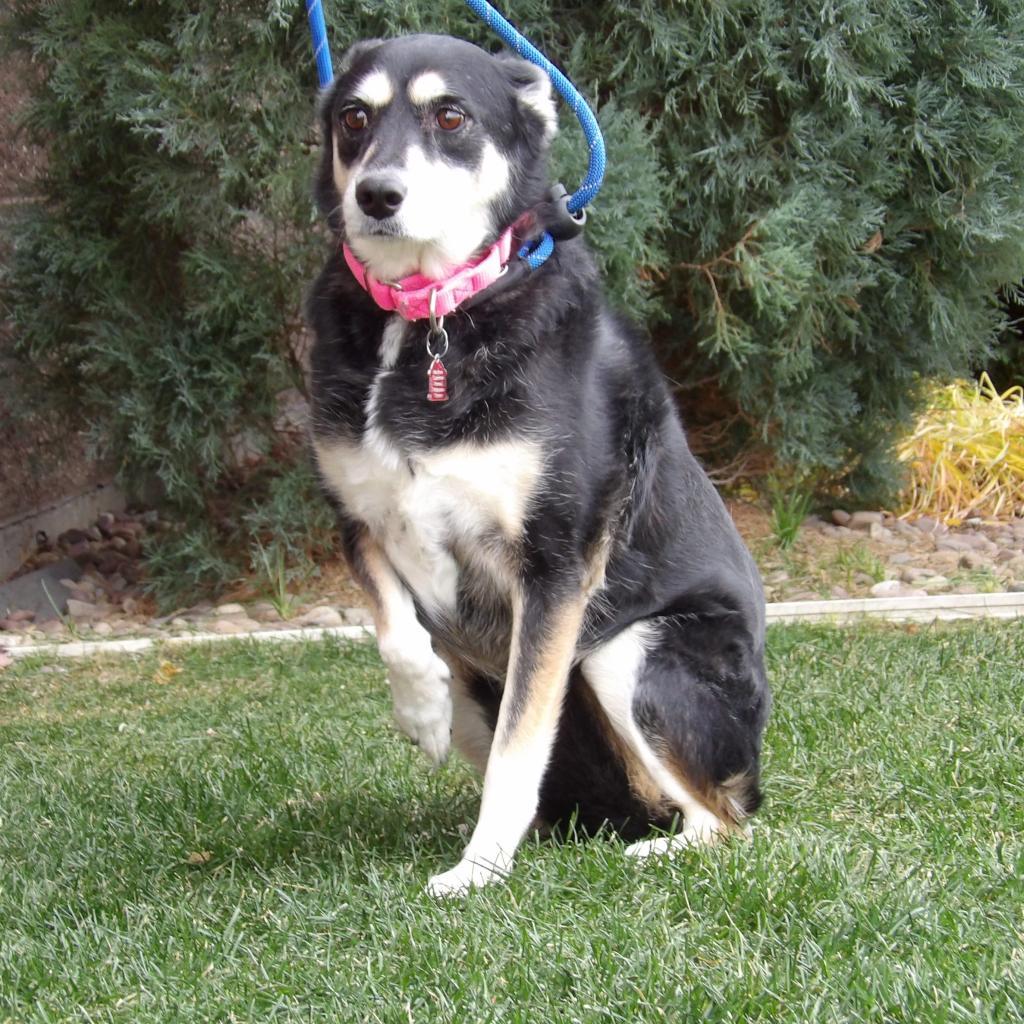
<point>686,732</point>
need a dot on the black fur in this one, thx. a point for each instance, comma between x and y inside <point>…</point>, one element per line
<point>548,358</point>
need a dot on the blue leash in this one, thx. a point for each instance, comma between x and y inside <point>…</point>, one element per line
<point>572,207</point>
<point>321,49</point>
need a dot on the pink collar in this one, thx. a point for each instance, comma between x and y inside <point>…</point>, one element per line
<point>410,297</point>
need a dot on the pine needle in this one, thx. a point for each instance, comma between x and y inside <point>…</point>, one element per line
<point>966,454</point>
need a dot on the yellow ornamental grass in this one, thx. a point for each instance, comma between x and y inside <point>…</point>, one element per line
<point>966,454</point>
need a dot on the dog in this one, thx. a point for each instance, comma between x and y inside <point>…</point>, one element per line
<point>557,587</point>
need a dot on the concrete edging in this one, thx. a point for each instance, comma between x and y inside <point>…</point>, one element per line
<point>938,608</point>
<point>934,608</point>
<point>134,645</point>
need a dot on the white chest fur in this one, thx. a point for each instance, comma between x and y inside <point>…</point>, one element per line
<point>420,506</point>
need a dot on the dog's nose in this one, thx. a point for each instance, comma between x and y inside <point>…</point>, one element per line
<point>380,196</point>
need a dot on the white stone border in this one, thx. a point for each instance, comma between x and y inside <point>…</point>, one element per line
<point>130,645</point>
<point>937,608</point>
<point>934,608</point>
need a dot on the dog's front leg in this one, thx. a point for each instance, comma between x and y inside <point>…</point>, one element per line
<point>545,631</point>
<point>420,681</point>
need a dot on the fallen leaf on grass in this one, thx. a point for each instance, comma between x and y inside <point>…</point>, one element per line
<point>197,858</point>
<point>166,671</point>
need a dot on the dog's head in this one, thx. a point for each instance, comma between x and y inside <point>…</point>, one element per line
<point>431,147</point>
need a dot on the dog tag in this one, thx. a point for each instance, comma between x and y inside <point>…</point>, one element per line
<point>437,381</point>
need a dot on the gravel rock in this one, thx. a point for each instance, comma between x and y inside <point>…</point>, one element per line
<point>840,517</point>
<point>105,522</point>
<point>229,609</point>
<point>863,520</point>
<point>264,611</point>
<point>1015,586</point>
<point>83,588</point>
<point>935,584</point>
<point>954,543</point>
<point>876,531</point>
<point>913,574</point>
<point>226,626</point>
<point>904,529</point>
<point>893,588</point>
<point>974,560</point>
<point>103,628</point>
<point>887,588</point>
<point>328,618</point>
<point>943,561</point>
<point>83,609</point>
<point>836,531</point>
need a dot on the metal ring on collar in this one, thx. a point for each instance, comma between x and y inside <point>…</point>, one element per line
<point>436,322</point>
<point>443,335</point>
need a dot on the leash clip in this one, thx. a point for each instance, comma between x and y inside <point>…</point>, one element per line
<point>561,223</point>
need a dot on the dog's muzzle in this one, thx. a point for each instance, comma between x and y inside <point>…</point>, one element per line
<point>380,196</point>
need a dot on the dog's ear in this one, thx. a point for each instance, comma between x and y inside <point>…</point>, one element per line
<point>354,52</point>
<point>347,62</point>
<point>533,91</point>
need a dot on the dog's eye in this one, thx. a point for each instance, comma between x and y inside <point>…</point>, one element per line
<point>449,118</point>
<point>355,119</point>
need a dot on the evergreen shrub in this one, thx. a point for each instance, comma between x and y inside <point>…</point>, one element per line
<point>812,204</point>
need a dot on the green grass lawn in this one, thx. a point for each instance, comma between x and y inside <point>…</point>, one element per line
<point>248,840</point>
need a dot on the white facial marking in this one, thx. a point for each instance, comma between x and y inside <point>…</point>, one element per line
<point>341,172</point>
<point>443,221</point>
<point>427,87</point>
<point>375,90</point>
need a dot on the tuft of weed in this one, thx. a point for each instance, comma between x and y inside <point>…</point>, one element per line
<point>790,504</point>
<point>966,453</point>
<point>858,558</point>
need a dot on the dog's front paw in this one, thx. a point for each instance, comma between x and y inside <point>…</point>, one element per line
<point>421,692</point>
<point>466,875</point>
<point>427,720</point>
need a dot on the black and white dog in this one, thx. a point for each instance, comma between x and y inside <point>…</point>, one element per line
<point>556,585</point>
